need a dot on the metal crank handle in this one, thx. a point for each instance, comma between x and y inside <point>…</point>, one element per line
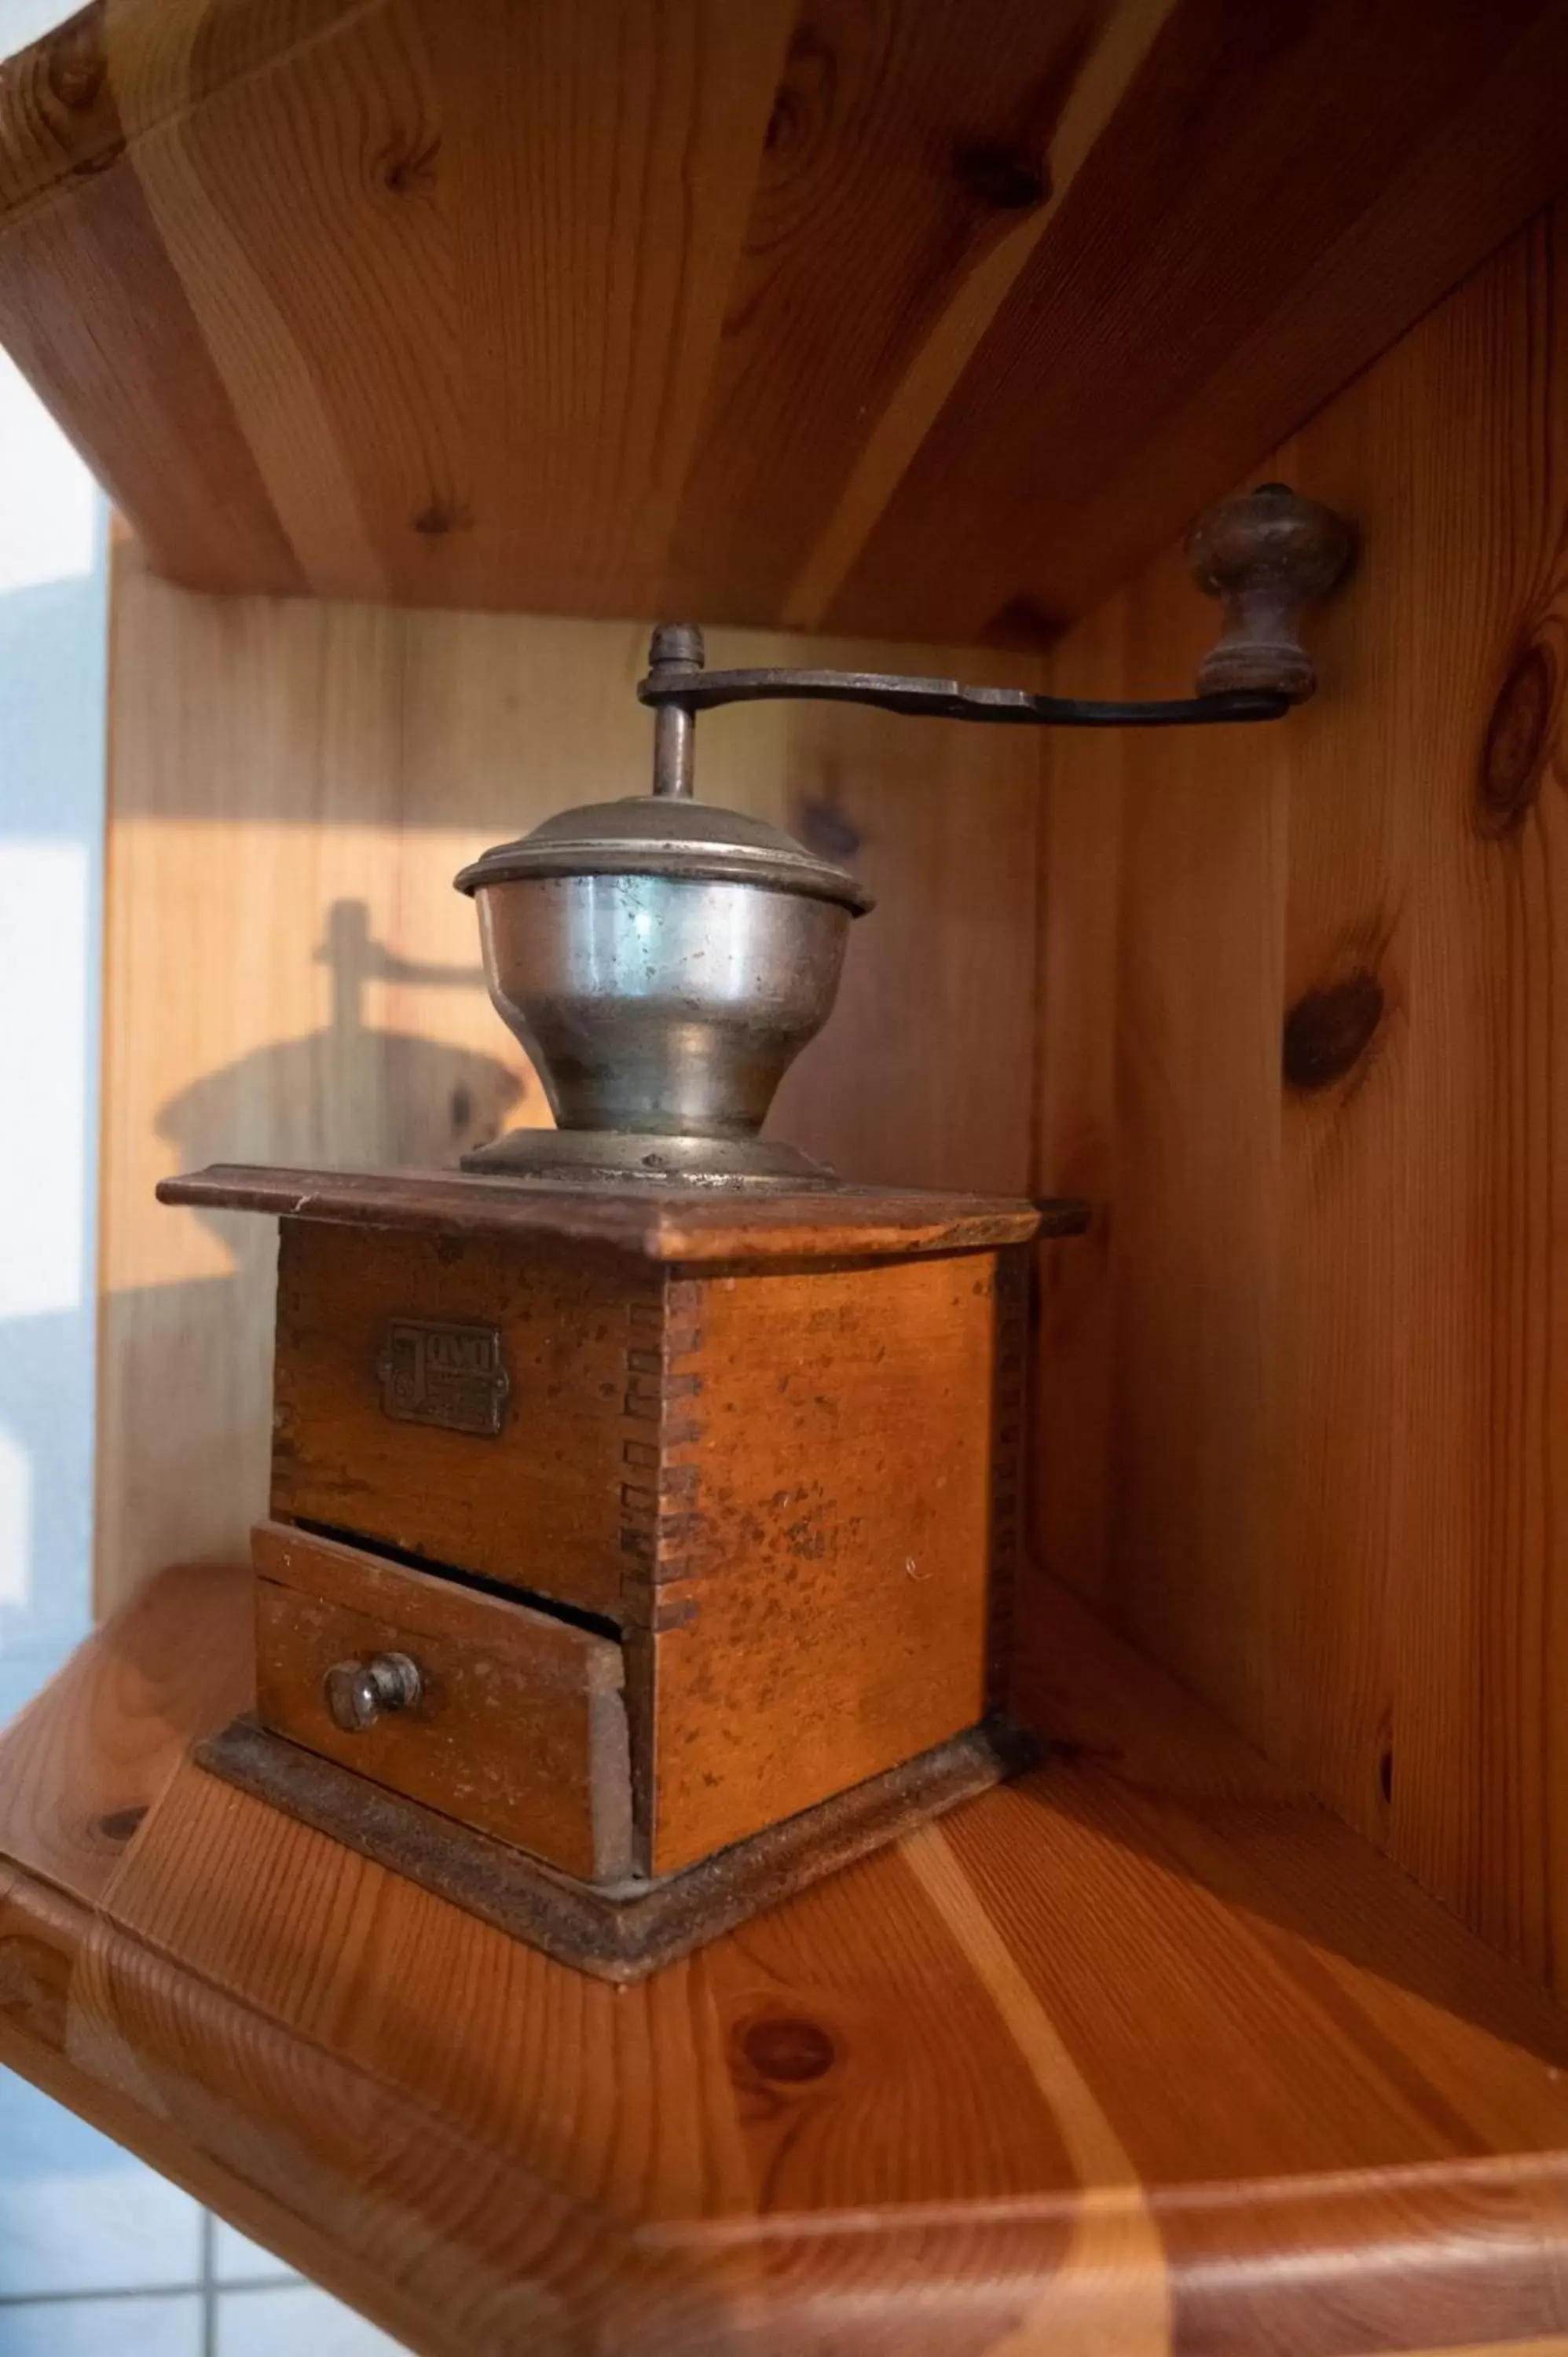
<point>1265,558</point>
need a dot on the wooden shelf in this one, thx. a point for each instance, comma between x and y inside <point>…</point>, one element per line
<point>1146,2051</point>
<point>920,320</point>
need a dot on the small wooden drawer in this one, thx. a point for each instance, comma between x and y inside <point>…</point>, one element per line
<point>462,1400</point>
<point>502,1717</point>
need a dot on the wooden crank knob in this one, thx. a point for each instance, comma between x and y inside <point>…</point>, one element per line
<point>1266,557</point>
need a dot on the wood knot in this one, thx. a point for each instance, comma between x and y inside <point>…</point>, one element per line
<point>74,68</point>
<point>1022,626</point>
<point>76,62</point>
<point>1328,1031</point>
<point>1071,1751</point>
<point>824,828</point>
<point>1518,735</point>
<point>1009,179</point>
<point>805,97</point>
<point>410,168</point>
<point>787,2049</point>
<point>117,1826</point>
<point>32,1986</point>
<point>440,516</point>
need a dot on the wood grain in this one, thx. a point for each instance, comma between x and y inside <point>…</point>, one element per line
<point>125,1705</point>
<point>787,1478</point>
<point>905,179</point>
<point>667,1228</point>
<point>1305,1044</point>
<point>290,977</point>
<point>1274,202</point>
<point>1030,179</point>
<point>537,1504</point>
<point>1249,2089</point>
<point>519,1729</point>
<point>932,321</point>
<point>820,1560</point>
<point>90,279</point>
<point>406,361</point>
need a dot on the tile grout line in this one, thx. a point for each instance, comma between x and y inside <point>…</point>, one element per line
<point>208,2288</point>
<point>193,2290</point>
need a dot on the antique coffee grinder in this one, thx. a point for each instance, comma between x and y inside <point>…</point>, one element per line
<point>645,1500</point>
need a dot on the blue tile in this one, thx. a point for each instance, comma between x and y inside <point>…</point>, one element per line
<point>298,2318</point>
<point>79,2214</point>
<point>144,2326</point>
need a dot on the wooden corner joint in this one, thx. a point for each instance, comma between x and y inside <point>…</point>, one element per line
<point>661,1516</point>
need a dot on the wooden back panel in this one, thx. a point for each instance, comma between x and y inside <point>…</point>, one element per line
<point>1306,1047</point>
<point>311,775</point>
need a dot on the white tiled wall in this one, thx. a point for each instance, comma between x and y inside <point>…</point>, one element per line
<point>99,2257</point>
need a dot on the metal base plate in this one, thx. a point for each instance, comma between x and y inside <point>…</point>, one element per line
<point>617,1933</point>
<point>614,1157</point>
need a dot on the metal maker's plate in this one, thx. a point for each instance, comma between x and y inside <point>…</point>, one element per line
<point>435,1371</point>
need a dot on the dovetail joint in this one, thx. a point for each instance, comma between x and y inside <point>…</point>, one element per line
<point>660,1519</point>
<point>1008,1408</point>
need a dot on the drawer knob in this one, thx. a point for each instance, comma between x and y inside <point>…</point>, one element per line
<point>357,1693</point>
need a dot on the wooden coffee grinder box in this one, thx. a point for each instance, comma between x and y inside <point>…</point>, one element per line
<point>645,1500</point>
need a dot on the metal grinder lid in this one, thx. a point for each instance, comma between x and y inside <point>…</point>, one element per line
<point>648,834</point>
